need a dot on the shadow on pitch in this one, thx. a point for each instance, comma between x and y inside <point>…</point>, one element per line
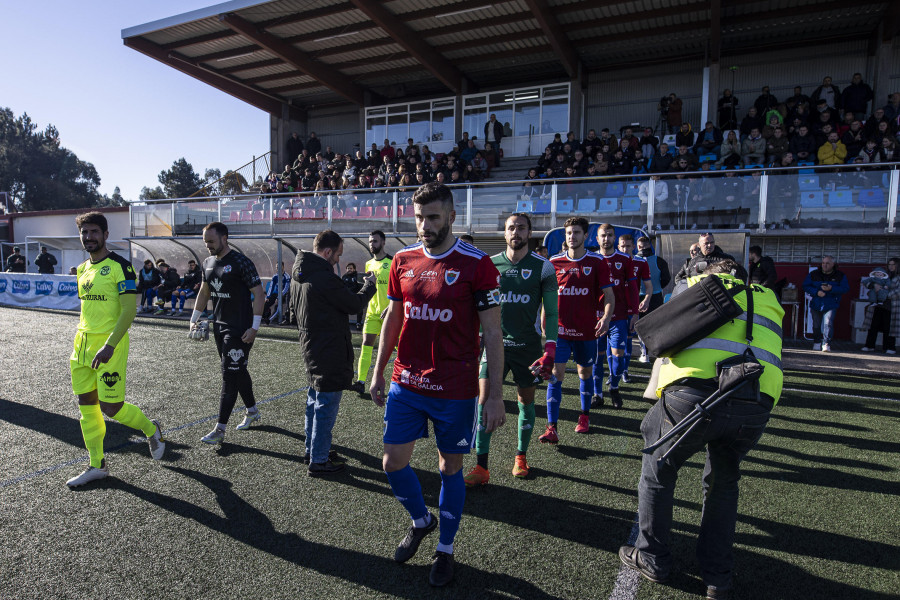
<point>245,523</point>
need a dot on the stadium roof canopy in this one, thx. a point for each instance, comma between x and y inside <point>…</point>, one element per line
<point>316,52</point>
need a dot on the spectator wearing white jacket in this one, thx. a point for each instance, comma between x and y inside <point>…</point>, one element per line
<point>660,190</point>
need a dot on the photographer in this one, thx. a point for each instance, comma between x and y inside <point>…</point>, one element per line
<point>663,107</point>
<point>731,429</point>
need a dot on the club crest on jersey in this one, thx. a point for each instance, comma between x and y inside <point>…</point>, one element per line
<point>104,271</point>
<point>226,269</point>
<point>618,265</point>
<point>587,270</point>
<point>450,276</point>
<point>526,273</point>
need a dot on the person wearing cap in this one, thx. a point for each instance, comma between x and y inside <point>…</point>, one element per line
<point>45,262</point>
<point>15,263</point>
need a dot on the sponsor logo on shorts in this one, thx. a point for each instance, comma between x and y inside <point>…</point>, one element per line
<point>20,287</point>
<point>567,291</point>
<point>110,379</point>
<point>511,298</point>
<point>104,270</point>
<point>426,313</point>
<point>462,442</point>
<point>43,288</point>
<point>67,288</point>
<point>451,276</point>
<point>235,354</point>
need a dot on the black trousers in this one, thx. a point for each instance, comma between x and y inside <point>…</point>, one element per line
<point>234,354</point>
<point>881,322</point>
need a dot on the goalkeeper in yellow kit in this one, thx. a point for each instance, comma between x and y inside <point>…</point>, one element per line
<point>106,288</point>
<point>380,265</point>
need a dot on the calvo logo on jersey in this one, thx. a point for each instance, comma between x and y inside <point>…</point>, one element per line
<point>587,270</point>
<point>67,288</point>
<point>43,288</point>
<point>450,276</point>
<point>567,291</point>
<point>21,287</point>
<point>426,313</point>
<point>105,270</point>
<point>526,273</point>
<point>110,379</point>
<point>509,297</point>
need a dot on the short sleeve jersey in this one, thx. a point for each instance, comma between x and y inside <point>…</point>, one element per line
<point>382,270</point>
<point>99,286</point>
<point>641,272</point>
<point>581,285</point>
<point>230,280</point>
<point>523,286</point>
<point>437,354</point>
<point>621,271</point>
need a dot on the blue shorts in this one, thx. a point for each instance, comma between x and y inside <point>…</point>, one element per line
<point>407,414</point>
<point>583,352</point>
<point>616,337</point>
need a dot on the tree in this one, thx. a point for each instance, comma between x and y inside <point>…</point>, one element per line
<point>115,200</point>
<point>39,172</point>
<point>180,181</point>
<point>156,193</point>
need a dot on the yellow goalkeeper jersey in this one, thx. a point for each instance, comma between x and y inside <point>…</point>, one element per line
<point>382,269</point>
<point>99,287</point>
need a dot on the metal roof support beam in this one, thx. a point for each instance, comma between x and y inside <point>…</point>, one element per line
<point>561,44</point>
<point>223,83</point>
<point>329,77</point>
<point>414,43</point>
<point>715,30</point>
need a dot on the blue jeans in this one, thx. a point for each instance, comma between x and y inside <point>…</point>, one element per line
<point>732,430</point>
<point>321,413</point>
<point>822,325</point>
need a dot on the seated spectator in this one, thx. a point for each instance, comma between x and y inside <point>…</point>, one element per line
<point>682,165</point>
<point>546,159</point>
<point>529,179</point>
<point>885,130</point>
<point>569,151</point>
<point>684,137</point>
<point>329,153</point>
<point>833,151</point>
<point>468,152</point>
<point>730,152</point>
<point>559,165</point>
<point>571,140</point>
<point>556,145</point>
<point>662,161</point>
<point>753,149</point>
<point>787,160</point>
<point>709,141</point>
<point>648,143</point>
<point>625,147</point>
<point>463,142</point>
<point>749,122</point>
<point>888,151</point>
<point>471,175</point>
<point>869,152</point>
<point>798,100</point>
<point>892,108</point>
<point>427,154</point>
<point>591,144</point>
<point>803,145</point>
<point>170,281</point>
<point>853,138</point>
<point>685,153</point>
<point>190,285</point>
<point>619,164</point>
<point>388,150</point>
<point>579,163</point>
<point>148,278</point>
<point>639,164</point>
<point>844,127</point>
<point>411,147</point>
<point>727,110</point>
<point>776,146</point>
<point>774,121</point>
<point>606,138</point>
<point>826,118</point>
<point>633,142</point>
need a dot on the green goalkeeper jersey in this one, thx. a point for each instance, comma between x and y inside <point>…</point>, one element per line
<point>523,287</point>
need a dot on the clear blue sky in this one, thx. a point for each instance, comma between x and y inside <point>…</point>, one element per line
<point>64,64</point>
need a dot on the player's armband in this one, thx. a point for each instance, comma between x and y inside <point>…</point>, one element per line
<point>485,299</point>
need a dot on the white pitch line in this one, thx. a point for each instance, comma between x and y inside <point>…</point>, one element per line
<point>627,580</point>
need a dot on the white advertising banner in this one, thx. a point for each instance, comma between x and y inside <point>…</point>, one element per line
<point>42,291</point>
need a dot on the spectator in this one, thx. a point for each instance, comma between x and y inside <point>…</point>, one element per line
<point>833,151</point>
<point>168,285</point>
<point>892,108</point>
<point>468,152</point>
<point>619,164</point>
<point>15,262</point>
<point>322,303</point>
<point>825,286</point>
<point>351,281</point>
<point>883,312</point>
<point>774,121</point>
<point>148,278</point>
<point>818,127</point>
<point>579,163</point>
<point>73,270</point>
<point>749,122</point>
<point>571,140</point>
<point>803,145</point>
<point>470,175</point>
<point>798,100</point>
<point>888,150</point>
<point>387,150</point>
<point>691,158</point>
<point>639,164</point>
<point>764,102</point>
<point>853,139</point>
<point>329,154</point>
<point>427,154</point>
<point>45,262</point>
<point>708,254</point>
<point>648,143</point>
<point>313,144</point>
<point>633,143</point>
<point>728,106</point>
<point>730,152</point>
<point>556,145</point>
<point>493,133</point>
<point>591,144</point>
<point>709,141</point>
<point>684,137</point>
<point>660,190</point>
<point>753,149</point>
<point>762,268</point>
<point>190,285</point>
<point>543,251</point>
<point>856,97</point>
<point>674,116</point>
<point>546,159</point>
<point>828,92</point>
<point>777,146</point>
<point>662,161</point>
<point>607,139</point>
<point>294,147</point>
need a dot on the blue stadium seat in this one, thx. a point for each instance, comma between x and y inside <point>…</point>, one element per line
<point>608,205</point>
<point>840,198</point>
<point>812,199</point>
<point>631,204</point>
<point>542,207</point>
<point>586,205</point>
<point>615,189</point>
<point>708,158</point>
<point>873,197</point>
<point>565,205</point>
<point>631,189</point>
<point>524,206</point>
<point>808,182</point>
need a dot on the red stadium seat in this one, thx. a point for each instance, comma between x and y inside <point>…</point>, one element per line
<point>310,213</point>
<point>382,212</point>
<point>297,213</point>
<point>365,212</point>
<point>283,214</point>
<point>235,216</point>
<point>246,215</point>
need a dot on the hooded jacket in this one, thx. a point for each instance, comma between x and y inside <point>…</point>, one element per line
<point>322,303</point>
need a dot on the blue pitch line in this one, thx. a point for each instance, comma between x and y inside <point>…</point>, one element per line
<point>85,457</point>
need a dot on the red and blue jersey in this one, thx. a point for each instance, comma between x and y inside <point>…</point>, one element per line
<point>621,272</point>
<point>437,354</point>
<point>641,274</point>
<point>581,284</point>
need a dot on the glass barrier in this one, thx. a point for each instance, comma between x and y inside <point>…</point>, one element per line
<point>491,205</point>
<point>828,199</point>
<point>698,200</point>
<point>151,220</point>
<point>602,200</point>
<point>192,217</point>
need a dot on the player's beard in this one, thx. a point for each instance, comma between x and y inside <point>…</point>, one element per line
<point>438,238</point>
<point>516,243</point>
<point>98,246</point>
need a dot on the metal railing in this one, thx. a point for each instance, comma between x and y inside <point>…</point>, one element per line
<point>240,180</point>
<point>841,198</point>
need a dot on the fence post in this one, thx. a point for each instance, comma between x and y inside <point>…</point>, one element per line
<point>396,207</point>
<point>763,201</point>
<point>892,200</point>
<point>253,169</point>
<point>553,192</point>
<point>469,209</point>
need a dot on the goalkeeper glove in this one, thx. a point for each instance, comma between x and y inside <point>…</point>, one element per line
<point>543,367</point>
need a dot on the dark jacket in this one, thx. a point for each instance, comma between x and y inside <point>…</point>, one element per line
<point>45,263</point>
<point>321,303</point>
<point>801,143</point>
<point>856,97</point>
<point>191,278</point>
<point>170,280</point>
<point>763,272</point>
<point>15,263</point>
<point>148,279</point>
<point>313,145</point>
<point>498,131</point>
<point>813,284</point>
<point>294,148</point>
<point>698,264</point>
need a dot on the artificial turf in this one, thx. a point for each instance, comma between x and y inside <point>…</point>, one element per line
<point>818,516</point>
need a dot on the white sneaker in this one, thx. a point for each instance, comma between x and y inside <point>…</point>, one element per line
<point>891,352</point>
<point>88,475</point>
<point>826,347</point>
<point>216,436</point>
<point>644,358</point>
<point>817,346</point>
<point>867,349</point>
<point>156,442</point>
<point>250,417</point>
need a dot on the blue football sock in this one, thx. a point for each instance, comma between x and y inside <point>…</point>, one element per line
<point>554,397</point>
<point>181,303</point>
<point>174,300</point>
<point>453,495</point>
<point>627,356</point>
<point>598,372</point>
<point>408,491</point>
<point>616,365</point>
<point>587,392</point>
